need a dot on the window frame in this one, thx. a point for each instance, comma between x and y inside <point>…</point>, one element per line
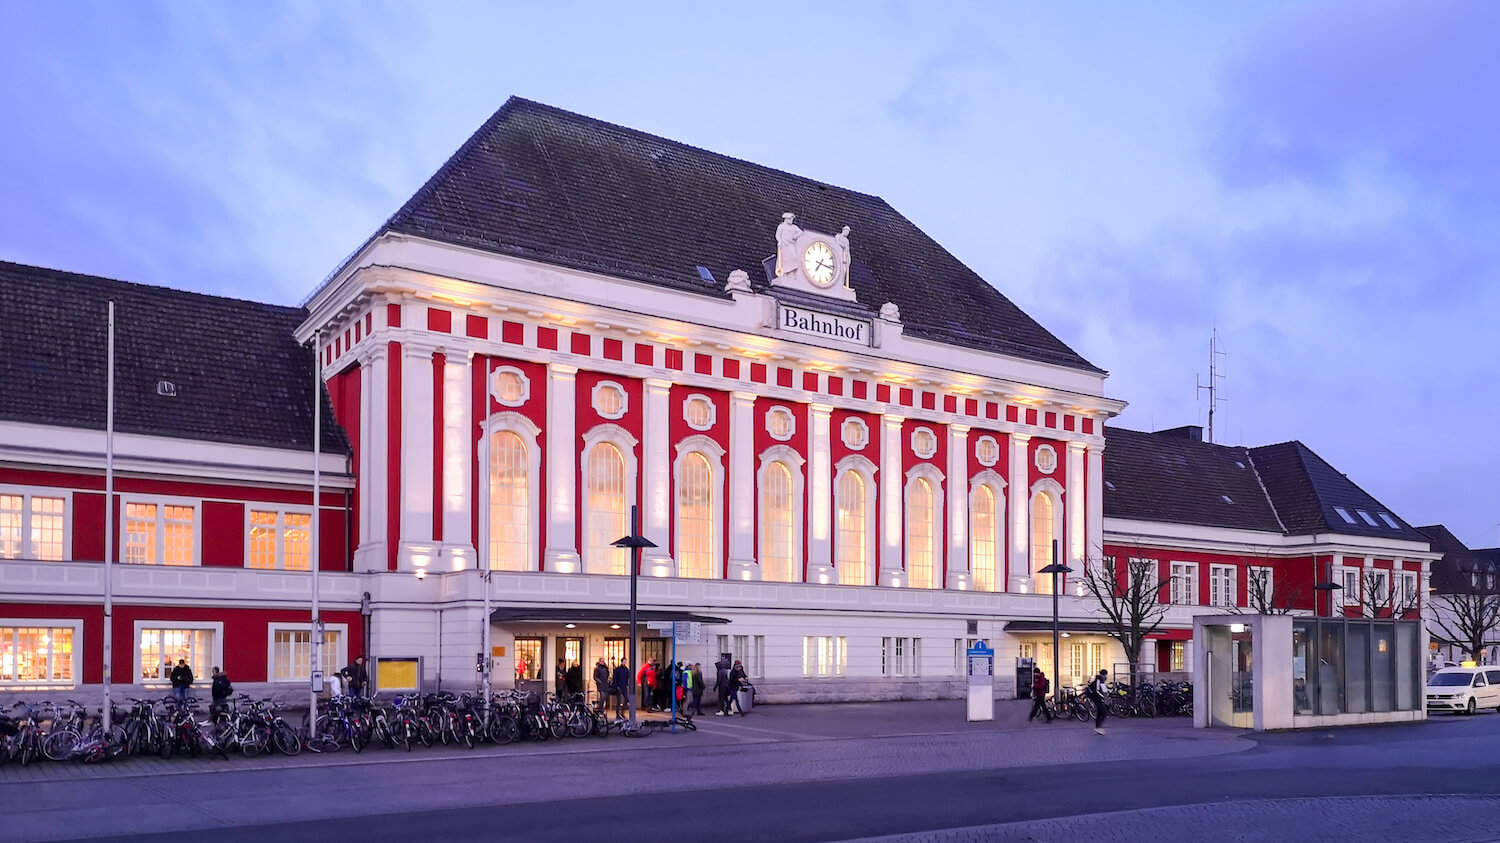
<point>161,502</point>
<point>280,626</point>
<point>1054,490</point>
<point>527,432</point>
<point>813,659</point>
<point>713,454</point>
<point>865,470</point>
<point>26,493</point>
<point>74,624</point>
<point>793,462</point>
<point>199,671</point>
<point>494,386</point>
<point>281,511</point>
<point>601,387</point>
<point>1351,596</point>
<point>1225,576</point>
<point>1189,576</point>
<point>625,444</point>
<point>1268,596</point>
<point>927,474</point>
<point>995,485</point>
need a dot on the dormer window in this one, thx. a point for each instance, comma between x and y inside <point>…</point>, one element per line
<point>1344,514</point>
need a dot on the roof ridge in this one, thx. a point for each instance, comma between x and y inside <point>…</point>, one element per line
<point>1261,483</point>
<point>26,267</point>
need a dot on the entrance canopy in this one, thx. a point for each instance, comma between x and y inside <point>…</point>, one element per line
<point>1081,627</point>
<point>572,615</point>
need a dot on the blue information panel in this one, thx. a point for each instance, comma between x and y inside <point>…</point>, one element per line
<point>981,670</point>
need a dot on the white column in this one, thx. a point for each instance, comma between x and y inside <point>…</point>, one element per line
<point>374,397</point>
<point>417,547</point>
<point>742,565</point>
<point>891,477</point>
<point>562,470</point>
<point>1019,502</point>
<point>1075,504</point>
<point>458,459</point>
<point>1094,529</point>
<point>656,508</point>
<point>820,486</point>
<point>958,507</point>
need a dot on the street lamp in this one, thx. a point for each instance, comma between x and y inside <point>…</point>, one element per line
<point>635,541</point>
<point>1328,586</point>
<point>1054,569</point>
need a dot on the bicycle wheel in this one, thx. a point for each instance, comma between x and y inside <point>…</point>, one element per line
<point>579,725</point>
<point>424,732</point>
<point>166,743</point>
<point>400,739</point>
<point>504,729</point>
<point>286,740</point>
<point>558,726</point>
<point>256,740</point>
<point>356,737</point>
<point>60,744</point>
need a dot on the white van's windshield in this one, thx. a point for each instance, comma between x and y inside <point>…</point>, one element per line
<point>1450,679</point>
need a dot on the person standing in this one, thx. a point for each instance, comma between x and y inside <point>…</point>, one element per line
<point>1039,688</point>
<point>601,682</point>
<point>220,689</point>
<point>560,679</point>
<point>721,684</point>
<point>182,680</point>
<point>619,685</point>
<point>575,679</point>
<point>1098,692</point>
<point>358,677</point>
<point>697,674</point>
<point>737,680</point>
<point>646,678</point>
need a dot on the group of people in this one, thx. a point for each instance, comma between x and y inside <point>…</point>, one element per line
<point>657,686</point>
<point>355,678</point>
<point>1097,691</point>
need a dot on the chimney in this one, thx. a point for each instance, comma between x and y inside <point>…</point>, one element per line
<point>1187,431</point>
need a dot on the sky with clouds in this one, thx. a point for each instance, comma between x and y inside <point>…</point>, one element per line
<point>1318,181</point>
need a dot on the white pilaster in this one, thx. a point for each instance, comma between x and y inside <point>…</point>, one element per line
<point>458,460</point>
<point>742,563</point>
<point>891,477</point>
<point>417,548</point>
<point>562,469</point>
<point>1019,503</point>
<point>820,484</point>
<point>656,509</point>
<point>1075,503</point>
<point>958,507</point>
<point>1094,528</point>
<point>374,398</point>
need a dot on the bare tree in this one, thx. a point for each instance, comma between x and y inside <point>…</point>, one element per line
<point>1129,593</point>
<point>1265,596</point>
<point>1467,618</point>
<point>1381,595</point>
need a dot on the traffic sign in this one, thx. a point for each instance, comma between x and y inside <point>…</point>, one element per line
<point>687,632</point>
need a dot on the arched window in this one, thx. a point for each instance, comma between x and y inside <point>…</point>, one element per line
<point>605,503</point>
<point>919,533</point>
<point>779,528</point>
<point>695,517</point>
<point>985,533</point>
<point>510,503</point>
<point>1042,533</point>
<point>853,535</point>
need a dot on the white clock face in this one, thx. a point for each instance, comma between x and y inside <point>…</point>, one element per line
<point>817,264</point>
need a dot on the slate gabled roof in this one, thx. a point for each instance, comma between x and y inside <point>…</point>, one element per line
<point>241,377</point>
<point>1454,572</point>
<point>1307,493</point>
<point>549,185</point>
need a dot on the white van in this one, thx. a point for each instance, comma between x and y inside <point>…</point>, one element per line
<point>1465,689</point>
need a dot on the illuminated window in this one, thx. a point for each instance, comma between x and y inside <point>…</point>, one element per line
<point>606,516</point>
<point>280,540</point>
<point>777,520</point>
<point>161,648</point>
<point>855,433</point>
<point>33,526</point>
<point>824,655</point>
<point>609,400</point>
<point>853,532</point>
<point>160,534</point>
<point>529,658</point>
<point>510,386</point>
<point>698,411</point>
<point>695,517</point>
<point>291,652</point>
<point>1043,531</point>
<point>510,503</point>
<point>1046,459</point>
<point>986,537</point>
<point>780,423</point>
<point>36,656</point>
<point>920,549</point>
<point>923,442</point>
<point>987,451</point>
<point>1178,658</point>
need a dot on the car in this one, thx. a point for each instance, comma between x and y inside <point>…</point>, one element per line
<point>1464,689</point>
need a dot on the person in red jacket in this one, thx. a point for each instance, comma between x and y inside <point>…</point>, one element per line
<point>1039,688</point>
<point>647,680</point>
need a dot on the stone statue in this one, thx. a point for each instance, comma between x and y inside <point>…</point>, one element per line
<point>739,282</point>
<point>842,241</point>
<point>890,312</point>
<point>786,244</point>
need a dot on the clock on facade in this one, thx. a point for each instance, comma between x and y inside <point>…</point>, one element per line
<point>817,264</point>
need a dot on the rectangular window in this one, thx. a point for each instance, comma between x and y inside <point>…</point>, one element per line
<point>1221,585</point>
<point>824,655</point>
<point>291,652</point>
<point>1408,598</point>
<point>280,540</point>
<point>162,648</point>
<point>38,656</point>
<point>1350,591</point>
<point>748,650</point>
<point>1258,591</point>
<point>1184,583</point>
<point>160,533</point>
<point>1378,582</point>
<point>33,526</point>
<point>1178,657</point>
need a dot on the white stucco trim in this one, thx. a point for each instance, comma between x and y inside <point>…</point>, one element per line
<point>713,452</point>
<point>866,470</point>
<point>992,481</point>
<point>619,437</point>
<point>527,431</point>
<point>794,462</point>
<point>934,479</point>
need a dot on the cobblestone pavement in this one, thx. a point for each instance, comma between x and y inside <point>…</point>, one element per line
<point>1351,819</point>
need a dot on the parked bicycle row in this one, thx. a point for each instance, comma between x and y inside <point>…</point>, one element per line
<point>1145,699</point>
<point>169,727</point>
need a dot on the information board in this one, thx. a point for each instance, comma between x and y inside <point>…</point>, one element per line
<point>981,671</point>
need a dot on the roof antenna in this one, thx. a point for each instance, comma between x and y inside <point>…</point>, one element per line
<point>1214,353</point>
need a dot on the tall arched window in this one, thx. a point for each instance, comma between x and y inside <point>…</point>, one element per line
<point>1042,533</point>
<point>985,538</point>
<point>695,518</point>
<point>853,530</point>
<point>777,541</point>
<point>605,502</point>
<point>510,503</point>
<point>919,548</point>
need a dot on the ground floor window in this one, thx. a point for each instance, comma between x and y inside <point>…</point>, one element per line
<point>1177,656</point>
<point>899,656</point>
<point>528,658</point>
<point>1040,653</point>
<point>616,650</point>
<point>961,648</point>
<point>824,655</point>
<point>1086,660</point>
<point>33,656</point>
<point>291,652</point>
<point>748,650</point>
<point>162,648</point>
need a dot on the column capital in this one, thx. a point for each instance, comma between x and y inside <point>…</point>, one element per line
<point>1096,447</point>
<point>1020,438</point>
<point>416,346</point>
<point>1077,447</point>
<point>821,409</point>
<point>561,370</point>
<point>959,430</point>
<point>658,384</point>
<point>743,397</point>
<point>892,419</point>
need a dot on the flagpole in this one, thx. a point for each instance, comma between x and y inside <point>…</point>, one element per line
<point>315,655</point>
<point>109,520</point>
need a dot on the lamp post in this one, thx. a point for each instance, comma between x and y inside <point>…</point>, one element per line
<point>1054,569</point>
<point>485,572</point>
<point>635,541</point>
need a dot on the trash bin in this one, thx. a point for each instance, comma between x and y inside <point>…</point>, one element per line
<point>746,698</point>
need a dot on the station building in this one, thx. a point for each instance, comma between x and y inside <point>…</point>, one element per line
<point>851,451</point>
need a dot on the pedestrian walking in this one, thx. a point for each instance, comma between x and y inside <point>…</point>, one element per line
<point>721,684</point>
<point>1098,692</point>
<point>619,685</point>
<point>737,680</point>
<point>601,682</point>
<point>220,689</point>
<point>697,674</point>
<point>1039,688</point>
<point>358,676</point>
<point>182,680</point>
